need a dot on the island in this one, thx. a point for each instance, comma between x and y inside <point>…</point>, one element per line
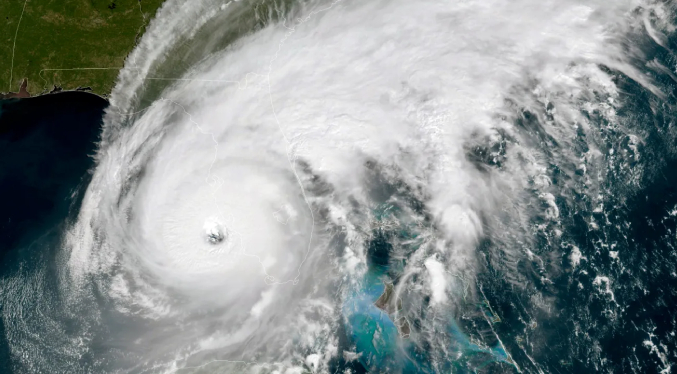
<point>388,304</point>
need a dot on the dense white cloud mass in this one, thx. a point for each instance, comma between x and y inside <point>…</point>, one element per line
<point>239,180</point>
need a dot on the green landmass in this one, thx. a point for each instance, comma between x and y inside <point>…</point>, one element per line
<point>90,37</point>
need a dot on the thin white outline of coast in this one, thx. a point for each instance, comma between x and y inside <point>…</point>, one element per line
<point>217,182</point>
<point>270,280</point>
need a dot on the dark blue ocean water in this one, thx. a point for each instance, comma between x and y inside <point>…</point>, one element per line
<point>46,144</point>
<point>616,311</point>
<point>627,327</point>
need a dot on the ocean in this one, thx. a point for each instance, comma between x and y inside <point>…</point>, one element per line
<point>353,187</point>
<point>47,145</point>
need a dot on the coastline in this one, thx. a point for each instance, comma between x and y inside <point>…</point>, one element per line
<point>23,93</point>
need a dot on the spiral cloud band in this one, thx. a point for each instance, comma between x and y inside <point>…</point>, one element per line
<point>271,172</point>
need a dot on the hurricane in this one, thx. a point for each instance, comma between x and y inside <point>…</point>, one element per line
<point>379,186</point>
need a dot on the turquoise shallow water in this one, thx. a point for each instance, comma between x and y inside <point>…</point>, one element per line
<point>372,331</point>
<point>596,291</point>
<point>381,347</point>
<point>47,143</point>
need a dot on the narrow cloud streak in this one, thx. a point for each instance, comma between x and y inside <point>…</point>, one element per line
<point>212,209</point>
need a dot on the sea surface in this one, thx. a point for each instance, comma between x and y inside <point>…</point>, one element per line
<point>47,145</point>
<point>433,198</point>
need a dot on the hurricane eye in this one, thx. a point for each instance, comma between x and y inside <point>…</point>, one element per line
<point>215,237</point>
<point>214,232</point>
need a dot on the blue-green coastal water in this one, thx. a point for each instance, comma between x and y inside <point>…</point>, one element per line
<point>353,187</point>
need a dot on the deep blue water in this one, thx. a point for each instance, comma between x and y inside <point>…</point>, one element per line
<point>594,331</point>
<point>46,148</point>
<point>616,311</point>
<point>46,144</point>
